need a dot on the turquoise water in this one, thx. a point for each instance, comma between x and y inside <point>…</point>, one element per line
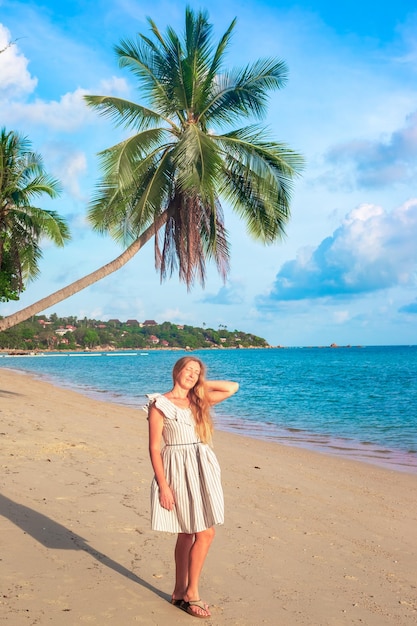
<point>354,402</point>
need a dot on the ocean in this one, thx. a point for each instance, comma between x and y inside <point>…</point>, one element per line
<point>357,402</point>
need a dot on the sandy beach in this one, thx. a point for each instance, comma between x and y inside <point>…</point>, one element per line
<point>309,539</point>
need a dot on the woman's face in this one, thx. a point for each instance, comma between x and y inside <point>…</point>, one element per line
<point>189,375</point>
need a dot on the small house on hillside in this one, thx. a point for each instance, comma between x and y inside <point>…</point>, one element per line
<point>149,323</point>
<point>44,323</point>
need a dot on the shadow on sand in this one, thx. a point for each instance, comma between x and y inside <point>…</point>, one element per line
<point>54,536</point>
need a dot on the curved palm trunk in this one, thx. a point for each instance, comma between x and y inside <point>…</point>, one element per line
<point>82,283</point>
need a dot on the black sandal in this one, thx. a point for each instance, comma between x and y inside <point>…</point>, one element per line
<point>186,606</point>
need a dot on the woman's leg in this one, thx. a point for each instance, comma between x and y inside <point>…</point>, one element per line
<point>197,556</point>
<point>182,559</point>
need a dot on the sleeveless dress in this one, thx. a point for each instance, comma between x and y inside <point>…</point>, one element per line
<point>192,471</point>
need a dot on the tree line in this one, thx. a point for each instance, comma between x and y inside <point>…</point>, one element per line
<point>69,333</point>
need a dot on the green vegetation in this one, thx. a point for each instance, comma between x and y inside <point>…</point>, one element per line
<point>23,226</point>
<point>184,152</point>
<point>54,333</point>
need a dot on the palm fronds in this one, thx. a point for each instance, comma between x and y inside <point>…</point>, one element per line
<point>22,225</point>
<point>182,157</point>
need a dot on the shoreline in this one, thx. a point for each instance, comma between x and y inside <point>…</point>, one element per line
<point>16,352</point>
<point>309,539</point>
<point>339,447</point>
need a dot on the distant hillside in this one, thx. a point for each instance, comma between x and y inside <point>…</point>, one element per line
<point>70,333</point>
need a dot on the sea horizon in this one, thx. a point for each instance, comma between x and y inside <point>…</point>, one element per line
<point>355,402</point>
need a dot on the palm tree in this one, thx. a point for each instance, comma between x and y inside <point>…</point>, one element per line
<point>22,225</point>
<point>183,156</point>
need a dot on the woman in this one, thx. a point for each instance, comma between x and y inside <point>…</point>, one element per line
<point>186,493</point>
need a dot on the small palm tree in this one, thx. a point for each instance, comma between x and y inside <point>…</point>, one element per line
<point>22,225</point>
<point>183,156</point>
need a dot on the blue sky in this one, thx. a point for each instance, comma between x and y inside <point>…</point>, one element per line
<point>347,271</point>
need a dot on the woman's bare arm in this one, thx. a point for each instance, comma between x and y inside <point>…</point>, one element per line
<point>219,390</point>
<point>156,422</point>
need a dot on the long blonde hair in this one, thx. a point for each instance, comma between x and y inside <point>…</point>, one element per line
<point>199,403</point>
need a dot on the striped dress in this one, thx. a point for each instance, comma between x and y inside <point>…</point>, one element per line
<point>192,471</point>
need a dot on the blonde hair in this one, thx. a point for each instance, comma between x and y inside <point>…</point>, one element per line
<point>199,403</point>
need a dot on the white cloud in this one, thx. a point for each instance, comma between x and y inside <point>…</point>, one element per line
<point>15,78</point>
<point>229,294</point>
<point>372,250</point>
<point>66,114</point>
<point>376,163</point>
<point>69,168</point>
<point>114,86</point>
<point>175,315</point>
<point>340,317</point>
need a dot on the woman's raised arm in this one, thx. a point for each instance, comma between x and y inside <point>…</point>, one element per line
<point>219,390</point>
